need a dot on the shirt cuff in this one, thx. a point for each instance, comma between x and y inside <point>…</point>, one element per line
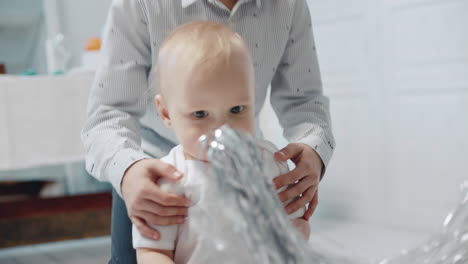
<point>323,147</point>
<point>119,165</point>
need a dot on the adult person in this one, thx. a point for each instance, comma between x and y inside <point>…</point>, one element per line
<point>124,137</point>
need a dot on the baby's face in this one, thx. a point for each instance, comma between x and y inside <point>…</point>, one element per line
<point>201,102</point>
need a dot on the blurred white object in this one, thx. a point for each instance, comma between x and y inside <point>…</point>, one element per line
<point>258,216</point>
<point>41,119</point>
<point>57,55</point>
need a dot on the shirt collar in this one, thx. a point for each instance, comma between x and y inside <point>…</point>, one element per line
<point>186,3</point>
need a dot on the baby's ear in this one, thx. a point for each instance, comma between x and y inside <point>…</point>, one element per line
<point>162,109</point>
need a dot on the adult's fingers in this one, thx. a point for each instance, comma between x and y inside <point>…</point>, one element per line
<point>150,206</point>
<point>312,206</point>
<point>161,220</point>
<point>306,197</point>
<point>295,190</point>
<point>144,228</point>
<point>155,194</point>
<point>293,176</point>
<point>165,170</point>
<point>291,151</point>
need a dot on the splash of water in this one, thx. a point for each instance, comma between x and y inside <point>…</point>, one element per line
<point>259,228</point>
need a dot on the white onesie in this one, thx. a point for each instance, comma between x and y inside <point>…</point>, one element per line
<point>181,237</point>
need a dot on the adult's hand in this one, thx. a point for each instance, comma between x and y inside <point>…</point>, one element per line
<point>146,203</point>
<point>303,181</point>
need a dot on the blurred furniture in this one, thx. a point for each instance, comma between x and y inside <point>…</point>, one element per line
<point>13,191</point>
<point>41,118</point>
<point>21,223</point>
<point>40,122</point>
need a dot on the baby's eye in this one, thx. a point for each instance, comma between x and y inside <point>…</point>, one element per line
<point>200,114</point>
<point>237,109</point>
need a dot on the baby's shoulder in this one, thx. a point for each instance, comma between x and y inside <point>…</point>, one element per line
<point>266,146</point>
<point>272,167</point>
<point>171,157</point>
<point>175,157</point>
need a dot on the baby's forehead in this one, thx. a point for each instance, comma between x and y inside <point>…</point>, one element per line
<point>202,56</point>
<point>202,48</point>
<point>195,68</point>
<point>201,42</point>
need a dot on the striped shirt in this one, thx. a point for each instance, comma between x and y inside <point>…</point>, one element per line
<point>122,124</point>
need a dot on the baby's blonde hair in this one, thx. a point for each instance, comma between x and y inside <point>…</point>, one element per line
<point>201,45</point>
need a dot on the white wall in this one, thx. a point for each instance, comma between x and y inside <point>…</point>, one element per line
<point>22,35</point>
<point>82,20</point>
<point>396,72</point>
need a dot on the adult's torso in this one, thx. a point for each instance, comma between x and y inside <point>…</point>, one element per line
<point>263,24</point>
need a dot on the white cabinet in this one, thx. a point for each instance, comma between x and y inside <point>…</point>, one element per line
<point>41,119</point>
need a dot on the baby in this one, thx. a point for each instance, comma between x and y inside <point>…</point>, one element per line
<point>206,80</point>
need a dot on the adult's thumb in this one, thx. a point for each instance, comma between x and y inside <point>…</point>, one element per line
<point>288,152</point>
<point>166,170</point>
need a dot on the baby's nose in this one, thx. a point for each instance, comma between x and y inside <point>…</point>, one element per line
<point>219,122</point>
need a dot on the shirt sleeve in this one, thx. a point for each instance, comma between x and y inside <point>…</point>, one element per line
<point>119,95</point>
<point>296,89</point>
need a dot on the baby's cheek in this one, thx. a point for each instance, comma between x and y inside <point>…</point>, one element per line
<point>245,124</point>
<point>190,141</point>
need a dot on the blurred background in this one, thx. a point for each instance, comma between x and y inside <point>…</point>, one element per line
<point>396,72</point>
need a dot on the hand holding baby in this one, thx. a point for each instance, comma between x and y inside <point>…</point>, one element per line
<point>303,180</point>
<point>146,202</point>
